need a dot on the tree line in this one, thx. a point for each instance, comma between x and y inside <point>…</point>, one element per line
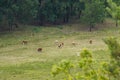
<point>40,12</point>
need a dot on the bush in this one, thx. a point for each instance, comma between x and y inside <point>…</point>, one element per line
<point>85,69</point>
<point>113,46</point>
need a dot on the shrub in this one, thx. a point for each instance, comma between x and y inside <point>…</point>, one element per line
<point>85,69</point>
<point>113,46</point>
<point>85,64</point>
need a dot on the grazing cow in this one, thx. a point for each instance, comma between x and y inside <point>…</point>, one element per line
<point>39,49</point>
<point>24,42</point>
<point>73,43</point>
<point>61,45</point>
<point>90,41</point>
<point>56,41</point>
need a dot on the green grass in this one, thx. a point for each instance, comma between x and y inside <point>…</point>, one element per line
<point>23,62</point>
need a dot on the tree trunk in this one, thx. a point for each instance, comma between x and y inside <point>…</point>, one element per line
<point>10,26</point>
<point>116,23</point>
<point>90,29</point>
<point>67,18</point>
<point>64,19</point>
<point>66,15</point>
<point>79,14</point>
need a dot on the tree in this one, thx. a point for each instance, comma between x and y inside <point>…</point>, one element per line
<point>94,12</point>
<point>114,11</point>
<point>52,11</point>
<point>25,10</point>
<point>58,11</point>
<point>113,46</point>
<point>117,2</point>
<point>18,11</point>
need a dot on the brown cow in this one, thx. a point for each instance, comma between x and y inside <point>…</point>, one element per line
<point>74,43</point>
<point>24,42</point>
<point>90,41</point>
<point>39,49</point>
<point>61,45</point>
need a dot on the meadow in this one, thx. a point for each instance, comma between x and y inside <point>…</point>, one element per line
<point>24,62</point>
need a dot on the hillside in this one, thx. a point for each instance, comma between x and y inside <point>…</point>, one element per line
<point>20,61</point>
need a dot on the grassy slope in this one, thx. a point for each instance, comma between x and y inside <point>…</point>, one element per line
<point>23,62</point>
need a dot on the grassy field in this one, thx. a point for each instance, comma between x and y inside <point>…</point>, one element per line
<point>24,62</point>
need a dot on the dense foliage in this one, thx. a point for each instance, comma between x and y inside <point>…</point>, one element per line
<point>114,47</point>
<point>114,10</point>
<point>94,12</point>
<point>40,12</point>
<point>13,11</point>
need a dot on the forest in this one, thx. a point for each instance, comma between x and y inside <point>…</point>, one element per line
<point>56,12</point>
<point>59,39</point>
